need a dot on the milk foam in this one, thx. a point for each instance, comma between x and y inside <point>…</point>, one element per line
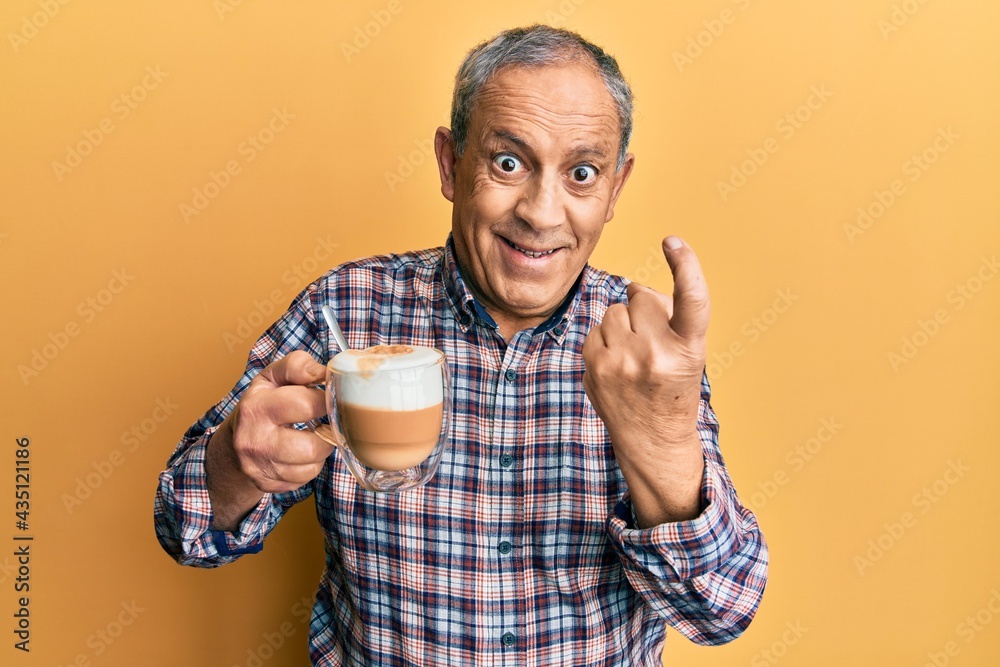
<point>390,377</point>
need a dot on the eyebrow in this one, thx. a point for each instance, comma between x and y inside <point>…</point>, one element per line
<point>580,152</point>
<point>509,137</point>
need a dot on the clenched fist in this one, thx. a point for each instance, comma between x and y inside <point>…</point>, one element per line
<point>644,365</point>
<point>256,450</point>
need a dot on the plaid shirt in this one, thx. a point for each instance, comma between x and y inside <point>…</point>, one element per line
<point>521,549</point>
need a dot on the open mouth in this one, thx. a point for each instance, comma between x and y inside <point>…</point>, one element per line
<point>534,254</point>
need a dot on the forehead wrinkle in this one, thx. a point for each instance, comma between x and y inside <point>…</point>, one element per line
<point>583,102</point>
<point>580,120</point>
<point>506,99</point>
<point>588,141</point>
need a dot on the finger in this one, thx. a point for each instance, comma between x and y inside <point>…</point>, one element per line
<point>649,311</point>
<point>283,479</point>
<point>296,367</point>
<point>616,325</point>
<point>638,288</point>
<point>691,303</point>
<point>289,404</point>
<point>634,288</point>
<point>293,448</point>
<point>299,475</point>
<point>593,344</point>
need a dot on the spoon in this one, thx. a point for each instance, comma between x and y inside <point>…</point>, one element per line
<point>338,335</point>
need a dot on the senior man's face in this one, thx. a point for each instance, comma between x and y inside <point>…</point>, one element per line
<point>534,187</point>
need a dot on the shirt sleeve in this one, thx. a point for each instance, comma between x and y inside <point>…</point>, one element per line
<point>182,511</point>
<point>705,576</point>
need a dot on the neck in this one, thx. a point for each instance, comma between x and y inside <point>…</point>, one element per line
<point>509,326</point>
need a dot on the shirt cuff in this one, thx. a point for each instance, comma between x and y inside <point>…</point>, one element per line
<point>184,514</point>
<point>682,550</point>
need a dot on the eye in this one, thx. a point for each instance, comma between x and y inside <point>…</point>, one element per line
<point>584,173</point>
<point>507,163</point>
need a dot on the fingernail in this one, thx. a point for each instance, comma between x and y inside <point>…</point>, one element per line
<point>674,242</point>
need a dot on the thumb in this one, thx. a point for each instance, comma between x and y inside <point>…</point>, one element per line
<point>691,302</point>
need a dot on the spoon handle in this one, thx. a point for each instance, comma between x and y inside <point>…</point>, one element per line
<point>331,322</point>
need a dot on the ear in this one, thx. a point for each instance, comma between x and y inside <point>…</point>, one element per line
<point>616,189</point>
<point>444,150</point>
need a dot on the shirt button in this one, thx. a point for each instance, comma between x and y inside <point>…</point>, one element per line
<point>506,460</point>
<point>507,639</point>
<point>505,547</point>
<point>510,374</point>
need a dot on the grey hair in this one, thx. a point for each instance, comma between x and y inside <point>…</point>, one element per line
<point>535,46</point>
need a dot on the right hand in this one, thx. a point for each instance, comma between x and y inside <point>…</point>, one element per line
<point>271,453</point>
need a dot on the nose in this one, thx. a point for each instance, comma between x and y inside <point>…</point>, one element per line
<point>542,204</point>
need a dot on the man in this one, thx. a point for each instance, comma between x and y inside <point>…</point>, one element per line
<point>583,501</point>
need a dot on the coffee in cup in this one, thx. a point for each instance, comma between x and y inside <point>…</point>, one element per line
<point>390,410</point>
<point>390,404</point>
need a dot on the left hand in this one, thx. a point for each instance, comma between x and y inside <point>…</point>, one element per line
<point>644,365</point>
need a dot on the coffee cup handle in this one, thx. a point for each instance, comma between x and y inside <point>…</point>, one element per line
<point>324,431</point>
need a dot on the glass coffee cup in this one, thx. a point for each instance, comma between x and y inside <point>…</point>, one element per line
<point>390,409</point>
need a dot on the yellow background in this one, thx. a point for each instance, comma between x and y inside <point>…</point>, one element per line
<point>886,80</point>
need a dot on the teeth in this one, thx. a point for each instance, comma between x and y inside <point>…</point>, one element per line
<point>530,253</point>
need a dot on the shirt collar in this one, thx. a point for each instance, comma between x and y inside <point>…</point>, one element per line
<point>467,308</point>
